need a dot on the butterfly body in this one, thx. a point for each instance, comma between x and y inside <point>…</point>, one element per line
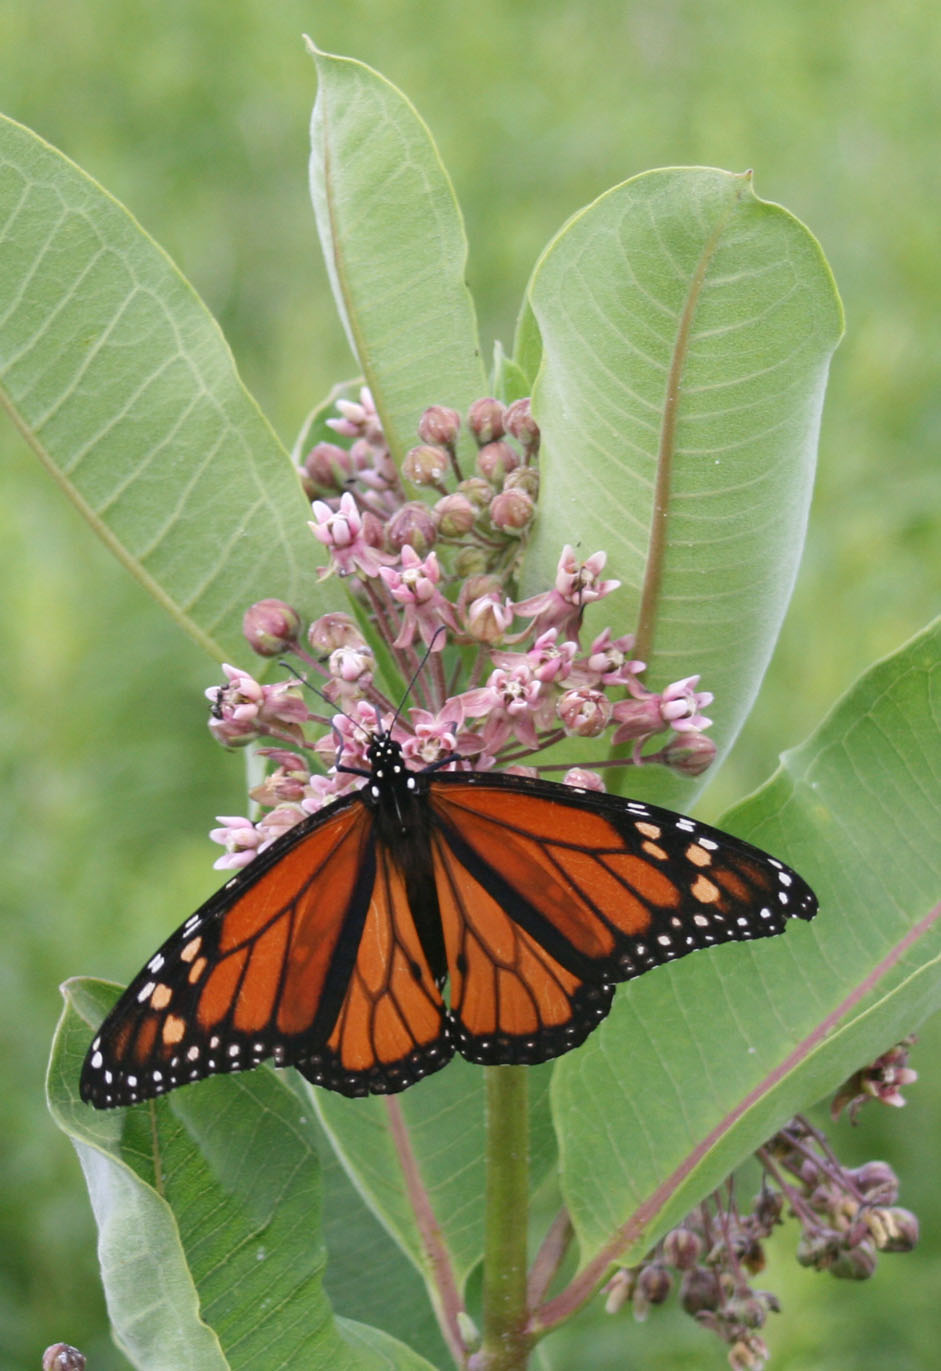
<point>427,913</point>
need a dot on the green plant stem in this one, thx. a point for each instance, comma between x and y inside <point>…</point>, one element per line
<point>506,1343</point>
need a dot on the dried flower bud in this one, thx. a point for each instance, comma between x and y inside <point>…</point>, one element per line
<point>893,1229</point>
<point>412,523</point>
<point>749,1353</point>
<point>876,1181</point>
<point>439,425</point>
<point>496,460</point>
<point>455,515</point>
<point>699,1290</point>
<point>619,1290</point>
<point>334,630</point>
<point>654,1284</point>
<point>855,1264</point>
<point>682,1248</point>
<point>270,627</point>
<point>512,511</point>
<point>689,753</point>
<point>61,1357</point>
<point>485,420</point>
<point>519,422</point>
<point>426,465</point>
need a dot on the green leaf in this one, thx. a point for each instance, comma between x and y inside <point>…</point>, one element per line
<point>444,1117</point>
<point>121,382</point>
<point>395,247</point>
<point>207,1203</point>
<point>698,1065</point>
<point>685,329</point>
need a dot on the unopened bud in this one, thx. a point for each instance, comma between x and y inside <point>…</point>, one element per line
<point>477,490</point>
<point>485,420</point>
<point>335,630</point>
<point>689,753</point>
<point>618,1290</point>
<point>326,469</point>
<point>519,421</point>
<point>270,627</point>
<point>439,424</point>
<point>511,511</point>
<point>425,465</point>
<point>496,460</point>
<point>412,523</point>
<point>455,515</point>
<point>470,561</point>
<point>523,478</point>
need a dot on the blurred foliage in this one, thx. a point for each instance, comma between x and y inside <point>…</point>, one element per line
<point>195,116</point>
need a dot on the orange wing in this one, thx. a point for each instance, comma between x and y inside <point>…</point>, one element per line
<point>309,956</point>
<point>549,895</point>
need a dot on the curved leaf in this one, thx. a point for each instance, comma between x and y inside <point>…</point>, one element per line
<point>685,329</point>
<point>395,247</point>
<point>121,382</point>
<point>698,1065</point>
<point>207,1203</point>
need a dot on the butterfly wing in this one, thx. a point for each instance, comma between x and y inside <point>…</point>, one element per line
<point>549,895</point>
<point>309,956</point>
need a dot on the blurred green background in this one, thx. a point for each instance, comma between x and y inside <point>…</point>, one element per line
<point>195,116</point>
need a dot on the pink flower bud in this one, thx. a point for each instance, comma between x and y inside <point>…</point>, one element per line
<point>583,779</point>
<point>495,460</point>
<point>519,421</point>
<point>487,618</point>
<point>439,425</point>
<point>477,490</point>
<point>523,478</point>
<point>412,523</point>
<point>689,753</point>
<point>485,420</point>
<point>426,465</point>
<point>637,718</point>
<point>325,468</point>
<point>455,515</point>
<point>334,630</point>
<point>270,627</point>
<point>512,511</point>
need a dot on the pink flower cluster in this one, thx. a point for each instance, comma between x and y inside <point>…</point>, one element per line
<point>429,577</point>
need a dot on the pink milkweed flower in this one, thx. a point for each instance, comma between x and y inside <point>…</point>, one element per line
<point>577,584</point>
<point>240,838</point>
<point>414,585</point>
<point>357,420</point>
<point>681,703</point>
<point>344,532</point>
<point>509,704</point>
<point>436,736</point>
<point>608,662</point>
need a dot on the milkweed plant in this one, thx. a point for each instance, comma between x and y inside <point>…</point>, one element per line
<point>576,564</point>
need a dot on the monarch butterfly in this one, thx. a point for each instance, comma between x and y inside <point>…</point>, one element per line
<point>330,951</point>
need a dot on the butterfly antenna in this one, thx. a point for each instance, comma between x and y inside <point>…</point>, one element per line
<point>416,673</point>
